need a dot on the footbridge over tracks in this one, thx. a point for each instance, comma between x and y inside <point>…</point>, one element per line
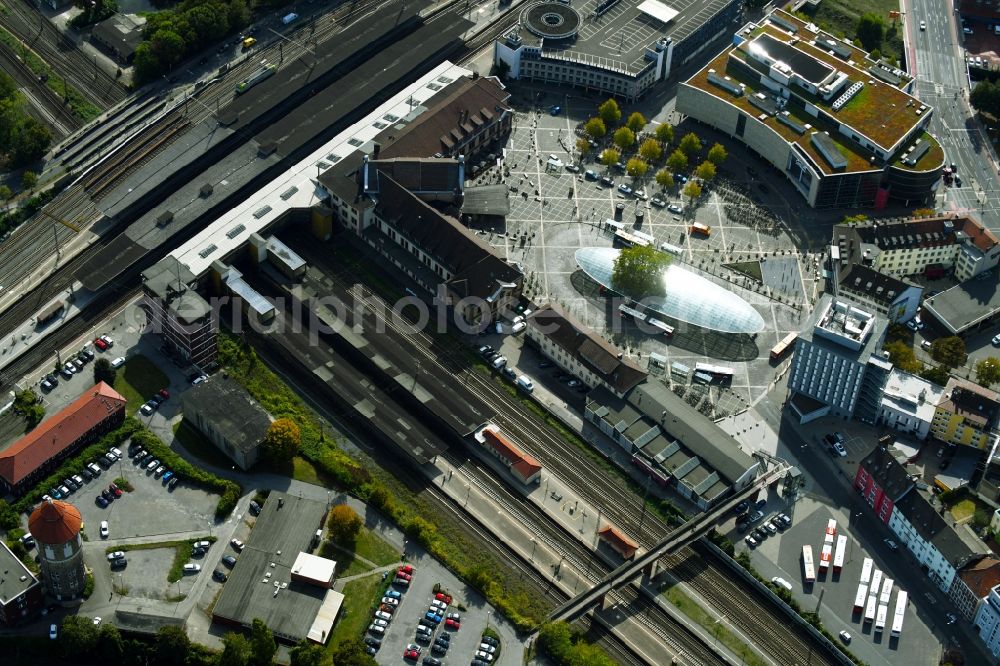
<point>675,540</point>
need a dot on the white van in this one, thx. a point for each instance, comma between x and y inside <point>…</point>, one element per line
<point>524,383</point>
<point>781,582</point>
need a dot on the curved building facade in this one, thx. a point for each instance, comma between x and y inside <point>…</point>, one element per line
<point>56,527</point>
<point>687,297</point>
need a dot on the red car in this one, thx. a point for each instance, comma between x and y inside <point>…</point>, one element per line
<point>100,344</point>
<point>165,394</point>
<point>452,624</point>
<point>407,569</point>
<point>405,576</point>
<point>411,654</point>
<point>441,596</point>
<point>115,489</point>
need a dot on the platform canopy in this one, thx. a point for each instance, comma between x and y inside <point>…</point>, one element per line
<point>658,10</point>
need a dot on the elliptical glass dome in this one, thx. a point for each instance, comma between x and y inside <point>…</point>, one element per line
<point>688,297</point>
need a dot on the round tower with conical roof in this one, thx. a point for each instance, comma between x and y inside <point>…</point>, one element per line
<point>56,526</point>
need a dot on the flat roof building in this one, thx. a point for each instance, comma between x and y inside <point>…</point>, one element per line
<point>179,313</point>
<point>20,592</point>
<point>225,413</point>
<point>119,36</point>
<point>909,403</point>
<point>264,584</point>
<point>966,414</point>
<point>615,47</point>
<point>842,127</point>
<point>967,308</point>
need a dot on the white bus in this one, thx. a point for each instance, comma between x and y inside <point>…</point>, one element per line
<point>860,597</point>
<point>897,618</point>
<point>672,249</point>
<point>720,372</point>
<point>880,616</point>
<point>883,598</point>
<point>831,531</point>
<point>876,583</point>
<point>866,570</point>
<point>807,564</point>
<point>838,554</point>
<point>825,556</point>
<point>632,238</point>
<point>870,608</point>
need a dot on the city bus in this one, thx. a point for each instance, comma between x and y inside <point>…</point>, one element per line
<point>876,585</point>
<point>897,618</point>
<point>831,531</point>
<point>824,557</point>
<point>883,598</point>
<point>672,249</point>
<point>779,350</point>
<point>880,616</point>
<point>866,570</point>
<point>870,609</point>
<point>860,598</point>
<point>632,238</point>
<point>658,326</point>
<point>807,564</point>
<point>721,373</point>
<point>838,553</point>
<point>665,329</point>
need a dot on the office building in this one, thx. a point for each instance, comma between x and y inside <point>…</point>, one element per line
<point>909,403</point>
<point>178,313</point>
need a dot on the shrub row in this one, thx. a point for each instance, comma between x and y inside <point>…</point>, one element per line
<point>567,647</point>
<point>229,491</point>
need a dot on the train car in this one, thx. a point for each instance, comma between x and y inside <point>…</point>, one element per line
<point>787,343</point>
<point>883,597</point>
<point>897,617</point>
<point>860,598</point>
<point>870,608</point>
<point>809,570</point>
<point>831,531</point>
<point>50,313</point>
<point>838,553</point>
<point>825,556</point>
<point>866,570</point>
<point>880,617</point>
<point>266,70</point>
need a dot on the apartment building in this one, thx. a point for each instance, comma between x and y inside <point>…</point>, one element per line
<point>966,414</point>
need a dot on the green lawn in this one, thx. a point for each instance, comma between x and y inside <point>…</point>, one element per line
<point>722,631</point>
<point>963,509</point>
<point>138,380</point>
<point>373,547</point>
<point>355,615</point>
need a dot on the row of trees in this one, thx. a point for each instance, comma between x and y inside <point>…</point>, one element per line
<point>172,35</point>
<point>23,139</point>
<point>985,97</point>
<point>949,352</point>
<point>566,647</point>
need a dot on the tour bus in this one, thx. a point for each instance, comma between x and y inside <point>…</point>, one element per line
<point>880,616</point>
<point>838,553</point>
<point>897,618</point>
<point>787,343</point>
<point>876,585</point>
<point>807,564</point>
<point>656,325</point>
<point>825,556</point>
<point>883,598</point>
<point>860,598</point>
<point>866,570</point>
<point>672,249</point>
<point>870,608</point>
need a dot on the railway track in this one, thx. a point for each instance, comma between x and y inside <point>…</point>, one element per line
<point>44,105</point>
<point>61,53</point>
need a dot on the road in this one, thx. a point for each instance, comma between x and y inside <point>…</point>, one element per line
<point>937,58</point>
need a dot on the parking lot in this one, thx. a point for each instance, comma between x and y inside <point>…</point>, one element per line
<point>554,212</point>
<point>414,603</point>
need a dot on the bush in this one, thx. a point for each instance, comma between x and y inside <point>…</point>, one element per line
<point>88,585</point>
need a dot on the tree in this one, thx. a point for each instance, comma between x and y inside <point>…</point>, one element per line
<point>897,331</point>
<point>27,404</point>
<point>31,141</point>
<point>172,646</point>
<point>871,31</point>
<point>235,651</point>
<point>665,132</point>
<point>78,635</point>
<point>624,138</point>
<point>309,654</point>
<point>6,194</point>
<point>610,113</point>
<point>985,97</point>
<point>9,518</point>
<point>282,441</point>
<point>901,355</point>
<point>351,652</point>
<point>609,157</point>
<point>949,351</point>
<point>650,150</point>
<point>28,180</point>
<point>988,371</point>
<point>636,167</point>
<point>690,145</point>
<point>582,146</point>
<point>636,122</point>
<point>677,161</point>
<point>262,645</point>
<point>717,154</point>
<point>692,190</point>
<point>344,524</point>
<point>705,171</point>
<point>110,645</point>
<point>103,372</point>
<point>937,374</point>
<point>638,272</point>
<point>595,128</point>
<point>664,179</point>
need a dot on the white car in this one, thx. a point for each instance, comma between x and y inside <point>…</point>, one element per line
<point>118,362</point>
<point>115,555</point>
<point>382,615</point>
<point>108,341</point>
<point>104,529</point>
<point>115,450</point>
<point>524,383</point>
<point>485,656</point>
<point>923,25</point>
<point>518,327</point>
<point>53,631</point>
<point>191,567</point>
<point>499,362</point>
<point>996,340</point>
<point>390,601</point>
<point>376,629</point>
<point>97,621</point>
<point>199,379</point>
<point>675,208</point>
<point>839,448</point>
<point>379,622</point>
<point>486,647</point>
<point>438,604</point>
<point>845,636</point>
<point>237,544</point>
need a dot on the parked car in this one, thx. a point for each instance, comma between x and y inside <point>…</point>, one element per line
<point>118,362</point>
<point>118,554</point>
<point>191,567</point>
<point>237,545</point>
<point>220,576</point>
<point>254,508</point>
<point>382,615</point>
<point>750,541</point>
<point>53,631</point>
<point>105,530</point>
<point>153,464</point>
<point>376,629</point>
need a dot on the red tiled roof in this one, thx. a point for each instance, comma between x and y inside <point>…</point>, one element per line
<point>54,522</point>
<point>982,577</point>
<point>621,542</point>
<point>524,464</point>
<point>57,432</point>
